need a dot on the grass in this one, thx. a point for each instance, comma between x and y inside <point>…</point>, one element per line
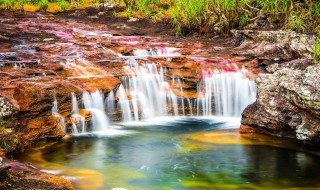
<point>197,15</point>
<point>189,16</point>
<point>47,5</point>
<point>316,55</point>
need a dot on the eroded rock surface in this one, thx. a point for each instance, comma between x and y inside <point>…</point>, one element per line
<point>274,46</point>
<point>288,102</point>
<point>20,176</point>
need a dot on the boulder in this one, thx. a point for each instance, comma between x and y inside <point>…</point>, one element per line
<point>288,102</point>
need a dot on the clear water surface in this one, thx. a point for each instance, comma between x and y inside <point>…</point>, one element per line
<point>165,155</point>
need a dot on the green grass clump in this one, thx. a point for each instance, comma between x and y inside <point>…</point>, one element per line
<point>44,4</point>
<point>316,55</point>
<point>197,15</point>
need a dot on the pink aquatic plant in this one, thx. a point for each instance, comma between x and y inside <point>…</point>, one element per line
<point>223,63</point>
<point>228,69</point>
<point>205,73</point>
<point>162,48</point>
<point>13,166</point>
<point>61,34</point>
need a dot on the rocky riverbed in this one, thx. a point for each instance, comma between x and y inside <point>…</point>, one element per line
<point>45,56</point>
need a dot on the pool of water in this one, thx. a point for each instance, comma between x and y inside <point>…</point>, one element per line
<point>178,155</point>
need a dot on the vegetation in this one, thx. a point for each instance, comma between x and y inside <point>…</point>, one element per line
<point>218,16</point>
<point>222,15</point>
<point>317,51</point>
<point>4,124</point>
<point>48,5</point>
<point>203,15</point>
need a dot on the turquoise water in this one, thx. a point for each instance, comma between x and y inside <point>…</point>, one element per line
<point>165,156</point>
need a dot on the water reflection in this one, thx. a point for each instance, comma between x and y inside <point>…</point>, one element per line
<point>285,167</point>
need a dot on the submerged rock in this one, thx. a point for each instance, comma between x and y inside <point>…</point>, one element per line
<point>20,176</point>
<point>288,102</point>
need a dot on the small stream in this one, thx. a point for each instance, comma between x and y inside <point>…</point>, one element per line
<point>165,155</point>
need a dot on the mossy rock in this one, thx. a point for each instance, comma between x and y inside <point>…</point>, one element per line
<point>8,142</point>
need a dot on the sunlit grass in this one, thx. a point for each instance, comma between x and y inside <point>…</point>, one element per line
<point>317,51</point>
<point>47,5</point>
<point>196,15</point>
<point>199,15</point>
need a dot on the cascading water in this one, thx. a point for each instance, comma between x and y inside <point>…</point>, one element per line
<point>110,102</point>
<point>76,119</point>
<point>225,93</point>
<point>150,95</point>
<point>55,113</point>
<point>94,102</point>
<point>75,106</point>
<point>159,51</point>
<point>145,94</point>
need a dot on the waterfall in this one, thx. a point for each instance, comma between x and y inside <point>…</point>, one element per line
<point>145,94</point>
<point>225,93</point>
<point>124,104</point>
<point>54,108</point>
<point>182,99</point>
<point>55,113</point>
<point>157,51</point>
<point>94,102</point>
<point>75,107</point>
<point>110,102</point>
<point>76,119</point>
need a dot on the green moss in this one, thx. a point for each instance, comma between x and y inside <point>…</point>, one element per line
<point>310,103</point>
<point>5,123</point>
<point>9,142</point>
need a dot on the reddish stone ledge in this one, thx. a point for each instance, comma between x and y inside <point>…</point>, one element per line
<point>20,176</point>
